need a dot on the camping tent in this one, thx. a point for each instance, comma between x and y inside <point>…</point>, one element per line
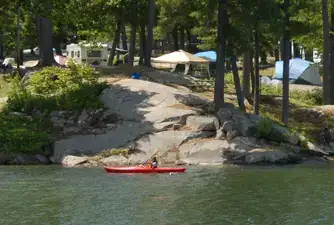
<point>182,57</point>
<point>300,72</point>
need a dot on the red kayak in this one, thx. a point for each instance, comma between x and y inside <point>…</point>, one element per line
<point>138,169</point>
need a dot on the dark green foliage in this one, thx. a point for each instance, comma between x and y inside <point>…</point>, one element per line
<point>28,135</point>
<point>268,130</point>
<point>53,88</point>
<point>56,88</point>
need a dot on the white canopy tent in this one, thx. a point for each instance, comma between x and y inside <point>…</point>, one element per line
<point>182,57</point>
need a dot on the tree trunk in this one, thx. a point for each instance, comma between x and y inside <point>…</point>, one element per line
<point>1,46</point>
<point>18,39</point>
<point>189,40</point>
<point>175,39</point>
<point>286,61</point>
<point>238,89</point>
<point>332,56</point>
<point>220,70</point>
<point>326,46</point>
<point>21,57</point>
<point>46,53</point>
<point>252,75</point>
<point>124,42</point>
<point>281,49</point>
<point>309,55</point>
<point>276,54</point>
<point>264,58</point>
<point>247,67</point>
<point>296,50</point>
<point>56,43</point>
<point>182,38</point>
<point>142,40</point>
<point>257,73</point>
<point>163,46</point>
<point>132,49</point>
<point>168,42</point>
<point>44,27</point>
<point>114,44</point>
<point>151,21</point>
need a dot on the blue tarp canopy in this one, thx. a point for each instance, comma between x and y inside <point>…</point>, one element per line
<point>209,55</point>
<point>300,71</point>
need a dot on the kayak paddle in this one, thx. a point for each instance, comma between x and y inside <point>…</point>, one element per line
<point>152,156</point>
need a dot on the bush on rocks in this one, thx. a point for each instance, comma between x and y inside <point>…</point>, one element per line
<point>55,88</point>
<point>268,130</point>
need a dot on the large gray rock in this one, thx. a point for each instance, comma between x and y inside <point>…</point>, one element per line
<point>257,156</point>
<point>220,134</point>
<point>227,126</point>
<point>60,118</point>
<point>23,159</point>
<point>5,158</point>
<point>144,101</point>
<point>202,152</point>
<point>237,120</point>
<point>72,161</point>
<point>172,78</point>
<point>242,123</point>
<point>203,123</point>
<point>71,130</point>
<point>114,160</point>
<point>43,159</point>
<point>232,134</point>
<point>83,117</point>
<point>238,147</point>
<point>88,145</point>
<point>165,141</point>
<point>294,139</point>
<point>315,150</point>
<point>138,158</point>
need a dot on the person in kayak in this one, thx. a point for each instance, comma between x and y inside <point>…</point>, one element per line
<point>154,163</point>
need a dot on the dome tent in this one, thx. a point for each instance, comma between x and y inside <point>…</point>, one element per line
<point>300,72</point>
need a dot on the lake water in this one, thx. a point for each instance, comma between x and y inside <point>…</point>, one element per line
<point>40,195</point>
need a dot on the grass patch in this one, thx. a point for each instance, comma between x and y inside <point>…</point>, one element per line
<point>306,98</point>
<point>5,87</point>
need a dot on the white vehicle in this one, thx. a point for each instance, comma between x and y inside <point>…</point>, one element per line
<point>317,57</point>
<point>88,54</point>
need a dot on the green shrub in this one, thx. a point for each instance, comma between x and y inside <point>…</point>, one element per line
<point>267,129</point>
<point>111,152</point>
<point>74,88</point>
<point>25,135</point>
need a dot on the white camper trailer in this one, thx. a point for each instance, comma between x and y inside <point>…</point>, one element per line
<point>88,54</point>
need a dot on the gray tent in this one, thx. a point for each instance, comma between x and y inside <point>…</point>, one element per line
<point>300,72</point>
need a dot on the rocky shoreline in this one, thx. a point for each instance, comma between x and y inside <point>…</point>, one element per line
<point>142,117</point>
